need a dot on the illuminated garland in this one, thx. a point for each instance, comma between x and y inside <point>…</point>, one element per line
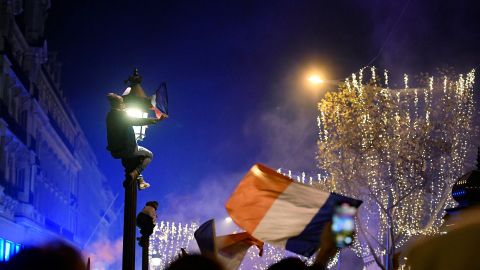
<point>270,256</point>
<point>169,237</point>
<point>166,241</point>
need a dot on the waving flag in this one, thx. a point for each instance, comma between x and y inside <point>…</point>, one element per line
<point>273,208</point>
<point>159,100</point>
<point>205,236</point>
<point>229,249</point>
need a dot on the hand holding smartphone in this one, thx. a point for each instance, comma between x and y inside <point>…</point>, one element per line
<point>343,224</point>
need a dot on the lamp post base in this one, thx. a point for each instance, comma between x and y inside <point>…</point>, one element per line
<point>129,215</point>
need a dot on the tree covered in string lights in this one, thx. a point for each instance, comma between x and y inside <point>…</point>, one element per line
<point>399,150</point>
<point>167,240</point>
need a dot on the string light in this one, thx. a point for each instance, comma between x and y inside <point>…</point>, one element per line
<point>166,241</point>
<point>393,150</point>
<point>385,75</point>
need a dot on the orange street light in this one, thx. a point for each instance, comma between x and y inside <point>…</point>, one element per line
<point>315,79</point>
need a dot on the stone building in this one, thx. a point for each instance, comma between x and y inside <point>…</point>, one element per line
<point>50,184</point>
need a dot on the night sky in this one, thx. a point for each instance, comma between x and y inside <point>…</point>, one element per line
<point>235,72</point>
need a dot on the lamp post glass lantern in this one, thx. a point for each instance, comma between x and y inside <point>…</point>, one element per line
<point>136,102</point>
<point>155,261</point>
<point>139,130</point>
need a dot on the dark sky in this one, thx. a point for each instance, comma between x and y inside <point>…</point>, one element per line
<point>234,71</point>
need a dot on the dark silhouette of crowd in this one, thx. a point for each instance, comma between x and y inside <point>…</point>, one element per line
<point>455,250</point>
<point>52,256</point>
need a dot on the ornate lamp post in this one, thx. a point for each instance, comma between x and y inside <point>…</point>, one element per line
<point>137,104</point>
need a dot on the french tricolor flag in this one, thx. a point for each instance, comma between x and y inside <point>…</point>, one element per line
<point>274,209</point>
<point>228,249</point>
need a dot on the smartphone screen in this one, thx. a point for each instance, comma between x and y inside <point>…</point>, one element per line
<point>343,224</point>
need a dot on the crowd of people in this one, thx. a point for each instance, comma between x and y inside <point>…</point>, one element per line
<point>60,256</point>
<point>456,249</point>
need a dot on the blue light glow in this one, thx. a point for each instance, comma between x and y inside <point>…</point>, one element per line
<point>8,249</point>
<point>2,250</point>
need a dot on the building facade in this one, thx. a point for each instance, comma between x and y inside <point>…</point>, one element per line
<point>44,154</point>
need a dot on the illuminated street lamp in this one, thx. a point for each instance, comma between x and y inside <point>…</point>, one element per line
<point>137,103</point>
<point>156,261</point>
<point>315,79</point>
<point>139,130</point>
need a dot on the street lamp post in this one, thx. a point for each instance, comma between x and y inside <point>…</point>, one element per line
<point>137,104</point>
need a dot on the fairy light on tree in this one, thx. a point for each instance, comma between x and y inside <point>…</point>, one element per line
<point>166,241</point>
<point>270,256</point>
<point>399,150</point>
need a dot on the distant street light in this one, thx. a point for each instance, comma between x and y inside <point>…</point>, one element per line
<point>315,79</point>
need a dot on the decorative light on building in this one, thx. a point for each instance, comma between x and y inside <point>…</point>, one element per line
<point>8,249</point>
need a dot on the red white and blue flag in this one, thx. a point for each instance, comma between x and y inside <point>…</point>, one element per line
<point>273,208</point>
<point>228,249</point>
<point>159,100</point>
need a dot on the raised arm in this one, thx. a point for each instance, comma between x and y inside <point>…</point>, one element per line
<point>142,121</point>
<point>327,248</point>
<point>122,116</point>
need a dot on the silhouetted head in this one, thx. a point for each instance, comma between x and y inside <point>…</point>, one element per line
<point>195,261</point>
<point>53,256</point>
<point>290,263</point>
<point>116,101</point>
<point>153,204</point>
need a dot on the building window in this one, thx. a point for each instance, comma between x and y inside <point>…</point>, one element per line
<point>21,179</point>
<point>23,119</point>
<point>7,96</point>
<point>8,249</point>
<point>14,108</point>
<point>2,250</point>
